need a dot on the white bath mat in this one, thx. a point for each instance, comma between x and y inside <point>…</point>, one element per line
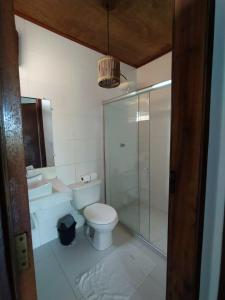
<point>117,276</point>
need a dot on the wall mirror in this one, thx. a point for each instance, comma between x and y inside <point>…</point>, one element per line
<point>37,132</point>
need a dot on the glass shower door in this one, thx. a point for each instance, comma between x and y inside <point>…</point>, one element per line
<point>121,156</point>
<point>160,119</point>
<point>144,164</point>
<point>137,155</point>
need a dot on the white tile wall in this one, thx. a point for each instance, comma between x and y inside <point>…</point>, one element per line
<point>65,72</point>
<point>156,71</point>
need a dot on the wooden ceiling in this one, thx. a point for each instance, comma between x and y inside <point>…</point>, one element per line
<point>140,30</point>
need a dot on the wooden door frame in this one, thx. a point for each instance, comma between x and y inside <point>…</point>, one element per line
<point>191,75</point>
<point>6,286</point>
<point>14,206</point>
<point>191,84</point>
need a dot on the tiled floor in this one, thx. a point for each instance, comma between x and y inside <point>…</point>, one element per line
<point>57,266</point>
<point>158,229</point>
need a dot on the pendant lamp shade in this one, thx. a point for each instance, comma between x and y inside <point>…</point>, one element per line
<point>108,66</point>
<point>108,72</point>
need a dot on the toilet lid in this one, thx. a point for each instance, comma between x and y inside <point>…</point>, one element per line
<point>99,213</point>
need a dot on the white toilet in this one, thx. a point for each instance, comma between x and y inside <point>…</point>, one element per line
<point>101,219</point>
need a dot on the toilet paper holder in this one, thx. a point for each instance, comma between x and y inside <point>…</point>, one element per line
<point>89,177</point>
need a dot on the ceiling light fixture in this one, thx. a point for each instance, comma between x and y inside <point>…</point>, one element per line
<point>108,66</point>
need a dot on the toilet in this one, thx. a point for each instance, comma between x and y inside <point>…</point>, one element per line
<point>100,218</point>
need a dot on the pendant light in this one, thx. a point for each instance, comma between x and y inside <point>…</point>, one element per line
<point>108,66</point>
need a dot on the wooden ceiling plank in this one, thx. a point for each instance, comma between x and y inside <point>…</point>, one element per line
<point>140,30</point>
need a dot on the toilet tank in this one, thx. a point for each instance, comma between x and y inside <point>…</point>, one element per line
<point>85,194</point>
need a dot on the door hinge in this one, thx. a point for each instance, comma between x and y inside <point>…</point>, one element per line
<point>172,182</point>
<point>22,252</point>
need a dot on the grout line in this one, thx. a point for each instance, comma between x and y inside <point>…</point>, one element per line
<point>63,272</point>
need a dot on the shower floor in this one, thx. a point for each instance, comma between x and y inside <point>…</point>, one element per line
<point>153,229</point>
<point>57,267</point>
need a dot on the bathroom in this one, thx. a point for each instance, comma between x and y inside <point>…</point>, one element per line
<point>79,139</point>
<point>118,140</point>
<point>112,149</point>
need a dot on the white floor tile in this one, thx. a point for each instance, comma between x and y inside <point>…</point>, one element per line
<point>78,257</point>
<point>149,290</point>
<point>50,280</point>
<point>42,253</point>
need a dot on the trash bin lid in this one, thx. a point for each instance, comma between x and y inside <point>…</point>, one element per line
<point>67,221</point>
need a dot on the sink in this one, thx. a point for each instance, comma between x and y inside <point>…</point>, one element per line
<point>39,189</point>
<point>59,187</point>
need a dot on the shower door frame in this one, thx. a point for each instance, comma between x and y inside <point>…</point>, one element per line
<point>131,95</point>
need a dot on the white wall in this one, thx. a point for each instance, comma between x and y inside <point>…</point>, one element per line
<point>65,72</point>
<point>156,71</point>
<point>215,190</point>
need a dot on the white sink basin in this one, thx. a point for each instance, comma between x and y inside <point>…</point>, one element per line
<point>39,189</point>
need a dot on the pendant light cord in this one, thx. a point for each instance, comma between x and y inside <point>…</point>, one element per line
<point>107,9</point>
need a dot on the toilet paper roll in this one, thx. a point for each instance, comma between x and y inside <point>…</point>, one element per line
<point>86,178</point>
<point>94,176</point>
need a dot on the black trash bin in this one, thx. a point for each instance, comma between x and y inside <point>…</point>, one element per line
<point>66,229</point>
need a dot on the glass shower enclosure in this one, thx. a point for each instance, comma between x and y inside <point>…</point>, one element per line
<point>137,151</point>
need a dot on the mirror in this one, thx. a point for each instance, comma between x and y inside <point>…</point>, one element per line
<point>37,132</point>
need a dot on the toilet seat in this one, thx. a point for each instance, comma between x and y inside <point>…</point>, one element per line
<point>99,213</point>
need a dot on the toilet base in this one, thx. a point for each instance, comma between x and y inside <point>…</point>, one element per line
<point>100,240</point>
